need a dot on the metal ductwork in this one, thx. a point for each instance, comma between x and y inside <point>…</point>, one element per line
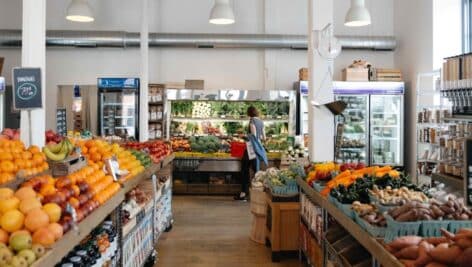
<point>120,39</point>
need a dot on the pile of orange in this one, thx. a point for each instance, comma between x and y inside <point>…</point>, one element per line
<point>15,159</point>
<point>97,151</point>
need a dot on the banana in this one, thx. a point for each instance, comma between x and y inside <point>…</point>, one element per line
<point>56,148</point>
<point>53,156</point>
<point>64,149</point>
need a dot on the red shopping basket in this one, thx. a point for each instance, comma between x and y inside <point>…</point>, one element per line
<point>237,149</point>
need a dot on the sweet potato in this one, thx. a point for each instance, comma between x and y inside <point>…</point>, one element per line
<point>445,254</point>
<point>465,258</point>
<point>423,253</point>
<point>435,264</point>
<point>436,240</point>
<point>405,241</point>
<point>408,263</point>
<point>390,249</point>
<point>464,243</point>
<point>409,253</point>
<point>411,215</point>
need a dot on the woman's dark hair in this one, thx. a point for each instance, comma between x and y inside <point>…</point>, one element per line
<point>252,111</point>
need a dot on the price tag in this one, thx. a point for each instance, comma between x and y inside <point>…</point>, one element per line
<point>73,214</point>
<point>27,88</point>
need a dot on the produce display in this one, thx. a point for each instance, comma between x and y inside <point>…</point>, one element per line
<point>205,144</point>
<point>369,213</point>
<point>449,250</point>
<point>397,196</point>
<point>157,149</point>
<point>135,200</point>
<point>16,160</point>
<point>26,226</point>
<point>279,181</point>
<point>411,211</point>
<point>180,144</point>
<point>59,151</point>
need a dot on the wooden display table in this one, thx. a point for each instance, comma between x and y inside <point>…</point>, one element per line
<point>283,218</point>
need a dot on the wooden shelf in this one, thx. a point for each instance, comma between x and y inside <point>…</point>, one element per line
<point>365,239</point>
<point>453,181</point>
<point>64,245</point>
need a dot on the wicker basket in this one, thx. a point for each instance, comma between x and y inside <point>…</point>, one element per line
<point>258,229</point>
<point>258,202</point>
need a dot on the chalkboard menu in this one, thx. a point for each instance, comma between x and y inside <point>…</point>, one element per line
<point>61,121</point>
<point>27,88</point>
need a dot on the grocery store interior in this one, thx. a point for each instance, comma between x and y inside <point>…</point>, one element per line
<point>182,133</point>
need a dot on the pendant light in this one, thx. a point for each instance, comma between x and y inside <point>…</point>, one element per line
<point>79,11</point>
<point>357,15</point>
<point>221,13</point>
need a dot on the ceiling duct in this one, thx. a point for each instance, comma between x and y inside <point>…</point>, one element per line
<point>120,39</point>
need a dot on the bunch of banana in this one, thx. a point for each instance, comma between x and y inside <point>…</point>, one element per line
<point>59,151</point>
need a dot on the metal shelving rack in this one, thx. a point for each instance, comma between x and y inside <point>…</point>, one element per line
<point>156,104</point>
<point>425,164</point>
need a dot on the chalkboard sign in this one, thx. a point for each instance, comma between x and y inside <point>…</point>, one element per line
<point>27,88</point>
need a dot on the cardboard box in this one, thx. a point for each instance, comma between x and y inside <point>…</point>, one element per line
<point>194,84</point>
<point>356,74</point>
<point>303,74</point>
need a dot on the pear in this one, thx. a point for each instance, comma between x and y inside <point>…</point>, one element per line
<point>21,241</point>
<point>18,261</point>
<point>5,256</point>
<point>38,250</point>
<point>28,255</point>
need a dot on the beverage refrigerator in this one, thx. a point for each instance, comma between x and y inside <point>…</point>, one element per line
<point>373,121</point>
<point>118,107</point>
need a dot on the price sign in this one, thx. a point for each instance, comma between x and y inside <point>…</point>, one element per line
<point>27,90</point>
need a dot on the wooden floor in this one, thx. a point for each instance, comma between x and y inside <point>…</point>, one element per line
<point>212,231</point>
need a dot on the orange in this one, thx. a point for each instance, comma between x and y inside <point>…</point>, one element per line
<point>90,143</point>
<point>6,193</point>
<point>3,236</point>
<point>56,229</point>
<point>76,190</point>
<point>44,237</point>
<point>12,221</point>
<point>84,149</point>
<point>74,202</point>
<point>34,149</point>
<point>36,219</point>
<point>47,189</point>
<point>45,166</point>
<point>93,150</point>
<point>26,155</point>
<point>28,164</point>
<point>6,177</point>
<point>29,204</point>
<point>7,166</point>
<point>25,192</point>
<point>37,159</point>
<point>96,157</point>
<point>19,163</point>
<point>8,204</point>
<point>53,211</point>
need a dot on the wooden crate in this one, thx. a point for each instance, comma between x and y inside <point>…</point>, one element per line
<point>356,74</point>
<point>67,166</point>
<point>282,227</point>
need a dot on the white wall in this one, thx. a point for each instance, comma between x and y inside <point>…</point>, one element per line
<point>220,68</point>
<point>414,32</point>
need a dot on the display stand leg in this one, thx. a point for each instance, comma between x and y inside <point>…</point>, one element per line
<point>323,241</point>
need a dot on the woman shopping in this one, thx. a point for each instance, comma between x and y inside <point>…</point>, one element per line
<point>254,153</point>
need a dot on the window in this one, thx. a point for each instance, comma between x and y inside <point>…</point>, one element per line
<point>447,29</point>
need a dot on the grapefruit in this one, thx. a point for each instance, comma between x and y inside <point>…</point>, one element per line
<point>36,219</point>
<point>25,192</point>
<point>29,204</point>
<point>43,236</point>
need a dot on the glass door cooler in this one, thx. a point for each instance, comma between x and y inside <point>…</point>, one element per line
<point>118,107</point>
<point>373,122</point>
<point>355,137</point>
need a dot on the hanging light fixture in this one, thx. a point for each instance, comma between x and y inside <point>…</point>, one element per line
<point>79,11</point>
<point>221,13</point>
<point>357,15</point>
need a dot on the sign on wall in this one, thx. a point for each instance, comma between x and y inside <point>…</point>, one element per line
<point>27,90</point>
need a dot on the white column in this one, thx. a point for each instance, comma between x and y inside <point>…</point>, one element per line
<point>321,121</point>
<point>33,54</point>
<point>143,95</point>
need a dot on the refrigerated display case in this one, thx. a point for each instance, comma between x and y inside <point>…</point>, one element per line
<point>118,107</point>
<point>373,122</point>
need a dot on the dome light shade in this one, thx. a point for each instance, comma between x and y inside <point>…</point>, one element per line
<point>79,11</point>
<point>357,15</point>
<point>221,13</point>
